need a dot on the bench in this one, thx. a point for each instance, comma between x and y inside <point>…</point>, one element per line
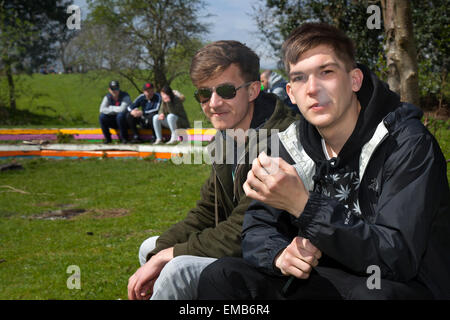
<point>44,143</point>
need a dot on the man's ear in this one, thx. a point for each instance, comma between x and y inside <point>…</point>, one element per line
<point>254,90</point>
<point>289,92</point>
<point>357,79</point>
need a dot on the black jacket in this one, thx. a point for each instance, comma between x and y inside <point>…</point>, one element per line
<point>395,216</point>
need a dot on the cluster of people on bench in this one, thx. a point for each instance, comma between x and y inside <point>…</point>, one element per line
<point>150,110</point>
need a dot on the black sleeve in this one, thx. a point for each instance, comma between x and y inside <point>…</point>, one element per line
<point>265,232</point>
<point>413,188</point>
<point>136,103</point>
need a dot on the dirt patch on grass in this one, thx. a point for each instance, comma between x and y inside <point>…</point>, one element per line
<point>110,213</point>
<point>69,211</point>
<point>59,214</point>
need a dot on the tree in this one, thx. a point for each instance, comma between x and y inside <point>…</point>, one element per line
<point>277,18</point>
<point>96,48</point>
<point>27,32</point>
<point>61,46</point>
<point>432,36</point>
<point>156,31</point>
<point>12,45</point>
<point>401,53</point>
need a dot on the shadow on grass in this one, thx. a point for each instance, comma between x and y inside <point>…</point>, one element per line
<point>22,117</point>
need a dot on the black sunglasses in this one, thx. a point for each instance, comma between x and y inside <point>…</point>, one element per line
<point>225,91</point>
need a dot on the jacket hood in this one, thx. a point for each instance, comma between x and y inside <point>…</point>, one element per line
<point>376,100</point>
<point>271,113</point>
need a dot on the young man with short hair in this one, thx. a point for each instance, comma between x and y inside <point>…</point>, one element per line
<point>149,102</point>
<point>357,207</point>
<point>113,111</point>
<point>226,74</point>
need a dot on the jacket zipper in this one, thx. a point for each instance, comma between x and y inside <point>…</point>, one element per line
<point>220,182</point>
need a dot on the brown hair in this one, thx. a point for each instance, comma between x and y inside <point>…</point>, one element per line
<point>168,90</point>
<point>311,35</point>
<point>215,57</point>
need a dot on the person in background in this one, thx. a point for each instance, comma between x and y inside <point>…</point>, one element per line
<point>113,111</point>
<point>149,102</point>
<point>276,84</point>
<point>171,115</point>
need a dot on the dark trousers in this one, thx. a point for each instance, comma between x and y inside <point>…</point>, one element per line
<point>115,121</point>
<point>144,122</point>
<point>233,278</point>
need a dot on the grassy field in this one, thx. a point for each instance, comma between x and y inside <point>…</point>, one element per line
<point>119,204</point>
<point>111,206</point>
<point>62,100</point>
<point>90,213</point>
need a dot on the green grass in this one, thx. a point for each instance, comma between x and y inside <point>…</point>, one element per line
<point>62,100</point>
<point>124,201</point>
<point>34,253</point>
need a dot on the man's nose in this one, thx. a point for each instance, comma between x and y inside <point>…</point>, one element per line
<point>313,85</point>
<point>215,100</point>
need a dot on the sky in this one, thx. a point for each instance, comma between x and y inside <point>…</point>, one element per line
<point>231,20</point>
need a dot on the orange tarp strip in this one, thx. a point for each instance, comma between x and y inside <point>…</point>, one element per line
<point>19,153</point>
<point>57,153</point>
<point>163,155</point>
<point>80,154</point>
<point>145,154</point>
<point>113,154</point>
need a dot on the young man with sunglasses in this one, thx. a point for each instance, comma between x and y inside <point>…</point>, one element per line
<point>357,207</point>
<point>226,74</point>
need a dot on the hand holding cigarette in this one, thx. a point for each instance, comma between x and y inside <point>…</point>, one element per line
<point>276,183</point>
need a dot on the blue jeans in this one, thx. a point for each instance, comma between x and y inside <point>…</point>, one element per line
<point>115,121</point>
<point>179,278</point>
<point>170,121</point>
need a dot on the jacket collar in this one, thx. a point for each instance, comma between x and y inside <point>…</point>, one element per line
<point>306,166</point>
<point>263,110</point>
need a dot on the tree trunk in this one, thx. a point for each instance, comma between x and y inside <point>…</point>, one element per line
<point>12,93</point>
<point>62,58</point>
<point>159,70</point>
<point>401,54</point>
<point>393,79</point>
